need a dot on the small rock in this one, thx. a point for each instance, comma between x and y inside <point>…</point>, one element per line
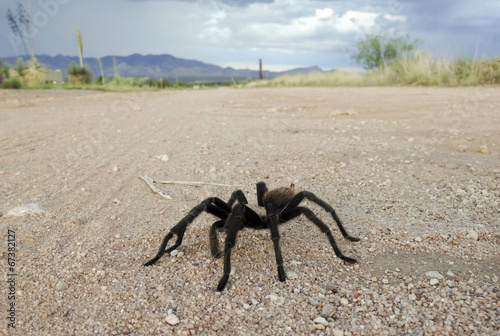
<point>163,157</point>
<point>328,310</point>
<point>217,326</point>
<point>338,332</point>
<point>273,297</point>
<point>433,281</point>
<point>434,274</point>
<point>321,320</point>
<point>61,285</point>
<point>26,209</point>
<point>473,235</point>
<point>483,149</point>
<point>333,288</point>
<point>2,172</point>
<point>291,275</point>
<point>174,253</point>
<point>172,319</point>
<point>344,301</point>
<point>180,255</point>
<point>418,239</point>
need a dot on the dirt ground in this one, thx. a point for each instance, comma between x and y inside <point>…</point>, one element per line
<point>414,172</point>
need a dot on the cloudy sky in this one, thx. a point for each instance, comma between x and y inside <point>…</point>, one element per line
<point>284,33</point>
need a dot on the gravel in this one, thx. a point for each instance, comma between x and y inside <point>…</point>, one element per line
<point>412,171</point>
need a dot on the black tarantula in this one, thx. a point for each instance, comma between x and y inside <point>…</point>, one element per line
<point>281,204</point>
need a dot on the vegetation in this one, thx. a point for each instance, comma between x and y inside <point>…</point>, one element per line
<point>79,74</point>
<point>389,60</point>
<point>381,49</point>
<point>422,68</point>
<point>393,60</point>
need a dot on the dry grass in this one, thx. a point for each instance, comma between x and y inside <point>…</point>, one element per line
<point>422,68</point>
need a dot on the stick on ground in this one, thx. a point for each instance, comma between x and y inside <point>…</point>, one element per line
<point>151,183</point>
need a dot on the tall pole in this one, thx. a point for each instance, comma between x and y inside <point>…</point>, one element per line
<point>260,69</point>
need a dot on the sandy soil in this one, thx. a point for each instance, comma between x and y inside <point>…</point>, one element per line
<point>413,172</point>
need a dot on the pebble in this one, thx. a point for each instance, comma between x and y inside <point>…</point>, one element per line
<point>473,235</point>
<point>483,149</point>
<point>433,281</point>
<point>434,274</point>
<point>172,319</point>
<point>344,301</point>
<point>61,285</point>
<point>26,209</point>
<point>291,275</point>
<point>321,320</point>
<point>333,288</point>
<point>338,332</point>
<point>163,157</point>
<point>328,310</point>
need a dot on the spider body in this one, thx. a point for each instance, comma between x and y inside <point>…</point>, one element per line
<point>281,205</point>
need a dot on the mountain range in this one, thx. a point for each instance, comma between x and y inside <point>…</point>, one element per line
<point>158,66</point>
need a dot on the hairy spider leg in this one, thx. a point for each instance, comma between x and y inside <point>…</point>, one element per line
<point>297,211</point>
<point>261,190</point>
<point>272,220</point>
<point>237,195</point>
<point>181,227</point>
<point>299,197</point>
<point>214,241</point>
<point>234,223</point>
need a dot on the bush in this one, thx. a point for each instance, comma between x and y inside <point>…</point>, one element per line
<point>11,83</point>
<point>79,74</point>
<point>377,50</point>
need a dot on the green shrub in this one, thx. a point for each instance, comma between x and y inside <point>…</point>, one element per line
<point>11,83</point>
<point>79,74</point>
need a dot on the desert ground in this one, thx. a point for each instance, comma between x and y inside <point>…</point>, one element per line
<point>413,172</point>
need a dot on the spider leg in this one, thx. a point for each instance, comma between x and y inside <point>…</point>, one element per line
<point>275,236</point>
<point>299,197</point>
<point>181,227</point>
<point>239,196</point>
<point>233,224</point>
<point>261,190</point>
<point>214,242</point>
<point>292,213</point>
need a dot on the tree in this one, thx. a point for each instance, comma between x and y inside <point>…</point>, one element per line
<point>377,50</point>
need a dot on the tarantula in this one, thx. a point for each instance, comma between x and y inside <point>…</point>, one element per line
<point>281,204</point>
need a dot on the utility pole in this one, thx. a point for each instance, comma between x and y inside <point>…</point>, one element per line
<point>260,69</point>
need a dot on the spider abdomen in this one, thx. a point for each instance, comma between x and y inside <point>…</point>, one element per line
<point>280,196</point>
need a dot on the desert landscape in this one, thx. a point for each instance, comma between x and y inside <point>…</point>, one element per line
<point>414,172</point>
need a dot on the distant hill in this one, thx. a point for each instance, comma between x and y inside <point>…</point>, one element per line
<point>159,66</point>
